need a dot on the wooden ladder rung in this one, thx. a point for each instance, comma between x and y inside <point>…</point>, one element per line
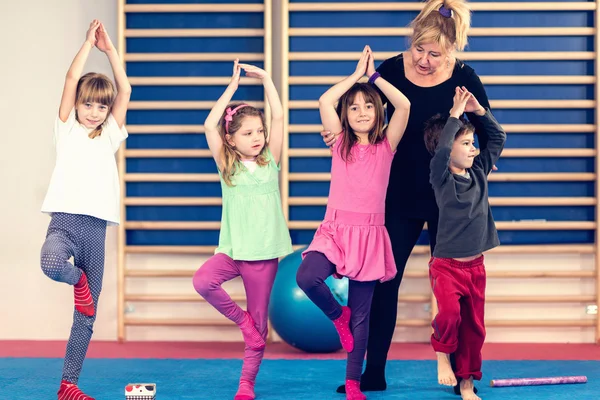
<point>167,273</point>
<point>173,298</point>
<point>542,299</point>
<point>541,323</point>
<point>177,322</point>
<point>585,323</point>
<point>518,274</point>
<point>418,298</point>
<point>211,249</point>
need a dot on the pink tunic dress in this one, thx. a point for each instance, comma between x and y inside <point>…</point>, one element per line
<point>353,235</point>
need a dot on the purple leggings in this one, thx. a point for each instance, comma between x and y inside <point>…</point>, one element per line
<point>258,278</point>
<point>313,271</point>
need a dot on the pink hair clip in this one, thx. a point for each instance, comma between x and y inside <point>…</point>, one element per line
<point>229,113</point>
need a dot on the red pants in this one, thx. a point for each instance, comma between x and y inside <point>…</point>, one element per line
<point>459,288</point>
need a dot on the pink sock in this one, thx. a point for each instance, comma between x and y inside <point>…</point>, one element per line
<point>245,391</point>
<point>342,325</point>
<point>84,303</point>
<point>70,391</point>
<point>353,390</point>
<point>252,337</point>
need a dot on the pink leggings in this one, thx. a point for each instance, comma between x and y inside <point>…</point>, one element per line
<point>258,278</point>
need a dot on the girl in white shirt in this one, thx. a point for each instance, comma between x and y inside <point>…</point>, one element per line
<point>83,196</point>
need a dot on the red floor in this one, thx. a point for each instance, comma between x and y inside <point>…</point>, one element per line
<point>399,351</point>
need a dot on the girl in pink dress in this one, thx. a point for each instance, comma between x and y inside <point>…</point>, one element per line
<point>352,240</point>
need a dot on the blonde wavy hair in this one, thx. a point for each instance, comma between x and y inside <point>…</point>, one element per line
<point>95,88</point>
<point>230,156</point>
<point>430,26</point>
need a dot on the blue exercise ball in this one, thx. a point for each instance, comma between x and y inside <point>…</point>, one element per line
<point>295,318</point>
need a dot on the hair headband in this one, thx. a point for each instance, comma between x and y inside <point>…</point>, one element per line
<point>229,113</point>
<point>446,12</point>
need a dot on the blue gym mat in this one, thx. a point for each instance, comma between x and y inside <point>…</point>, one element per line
<point>105,379</point>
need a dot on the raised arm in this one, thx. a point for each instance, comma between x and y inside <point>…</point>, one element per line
<point>275,142</point>
<point>105,45</point>
<point>211,124</point>
<point>489,132</point>
<point>438,167</point>
<point>67,101</point>
<point>496,137</point>
<point>387,68</point>
<point>473,84</point>
<point>398,122</point>
<point>329,118</point>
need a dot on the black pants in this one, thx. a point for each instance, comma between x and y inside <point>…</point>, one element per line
<point>313,271</point>
<point>404,233</point>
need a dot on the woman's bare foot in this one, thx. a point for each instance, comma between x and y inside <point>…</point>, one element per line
<point>445,374</point>
<point>466,390</point>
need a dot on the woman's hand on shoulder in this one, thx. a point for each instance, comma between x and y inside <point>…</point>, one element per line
<point>328,138</point>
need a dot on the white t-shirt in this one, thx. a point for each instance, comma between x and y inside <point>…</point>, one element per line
<point>85,178</point>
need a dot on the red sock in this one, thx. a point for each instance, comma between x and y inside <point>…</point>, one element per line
<point>342,325</point>
<point>245,391</point>
<point>84,303</point>
<point>70,391</point>
<point>353,390</point>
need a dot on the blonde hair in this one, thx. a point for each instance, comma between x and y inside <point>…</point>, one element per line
<point>230,156</point>
<point>95,88</point>
<point>430,26</point>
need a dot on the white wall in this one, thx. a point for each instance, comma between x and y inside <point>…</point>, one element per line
<point>34,307</point>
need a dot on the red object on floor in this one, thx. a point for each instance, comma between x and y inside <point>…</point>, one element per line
<point>399,351</point>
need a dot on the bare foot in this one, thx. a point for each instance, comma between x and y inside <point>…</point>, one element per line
<point>445,374</point>
<point>466,390</point>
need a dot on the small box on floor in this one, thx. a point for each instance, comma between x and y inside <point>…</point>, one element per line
<point>140,391</point>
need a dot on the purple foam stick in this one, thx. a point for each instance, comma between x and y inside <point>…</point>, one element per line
<point>555,380</point>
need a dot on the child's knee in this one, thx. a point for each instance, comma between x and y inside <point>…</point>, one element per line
<point>203,282</point>
<point>51,263</point>
<point>302,278</point>
<point>305,279</point>
<point>53,254</point>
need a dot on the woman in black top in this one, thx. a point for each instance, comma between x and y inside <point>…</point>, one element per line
<point>427,73</point>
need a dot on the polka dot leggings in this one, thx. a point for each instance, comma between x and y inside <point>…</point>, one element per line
<point>313,271</point>
<point>81,237</point>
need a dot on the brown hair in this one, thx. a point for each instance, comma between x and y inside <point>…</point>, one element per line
<point>229,154</point>
<point>349,139</point>
<point>95,88</point>
<point>434,127</point>
<point>430,26</point>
